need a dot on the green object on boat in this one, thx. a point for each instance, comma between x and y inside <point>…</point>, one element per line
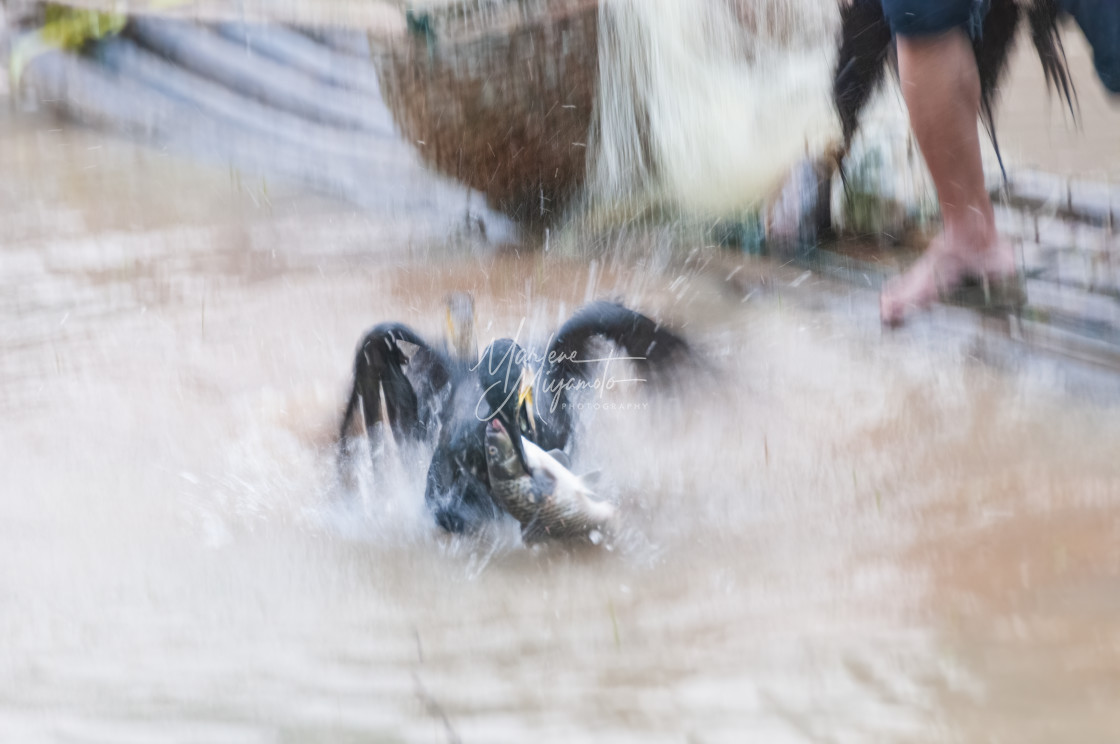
<point>64,28</point>
<point>752,235</point>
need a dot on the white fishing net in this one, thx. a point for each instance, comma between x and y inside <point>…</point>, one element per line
<point>704,105</point>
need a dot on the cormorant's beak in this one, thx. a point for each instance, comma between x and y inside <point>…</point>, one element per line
<point>514,429</point>
<point>512,418</point>
<point>525,401</point>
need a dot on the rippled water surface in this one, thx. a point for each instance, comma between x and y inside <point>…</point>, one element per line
<point>832,536</point>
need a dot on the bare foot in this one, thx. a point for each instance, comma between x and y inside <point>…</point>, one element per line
<point>942,268</point>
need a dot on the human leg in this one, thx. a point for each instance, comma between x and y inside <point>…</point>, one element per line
<point>941,86</point>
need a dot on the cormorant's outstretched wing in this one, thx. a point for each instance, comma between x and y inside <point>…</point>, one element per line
<point>992,50</point>
<point>411,405</point>
<point>1043,16</point>
<point>865,41</point>
<point>647,345</point>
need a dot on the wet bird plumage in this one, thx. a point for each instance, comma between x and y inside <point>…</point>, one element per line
<point>380,373</point>
<point>457,490</point>
<point>445,397</point>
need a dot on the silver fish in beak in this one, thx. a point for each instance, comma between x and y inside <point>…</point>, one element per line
<point>547,499</point>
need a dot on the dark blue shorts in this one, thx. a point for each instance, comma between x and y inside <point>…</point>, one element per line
<point>927,17</point>
<point>1100,20</point>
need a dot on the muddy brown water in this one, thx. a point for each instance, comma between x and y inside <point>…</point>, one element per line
<point>834,535</point>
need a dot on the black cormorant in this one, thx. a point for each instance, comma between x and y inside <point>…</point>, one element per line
<point>446,396</point>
